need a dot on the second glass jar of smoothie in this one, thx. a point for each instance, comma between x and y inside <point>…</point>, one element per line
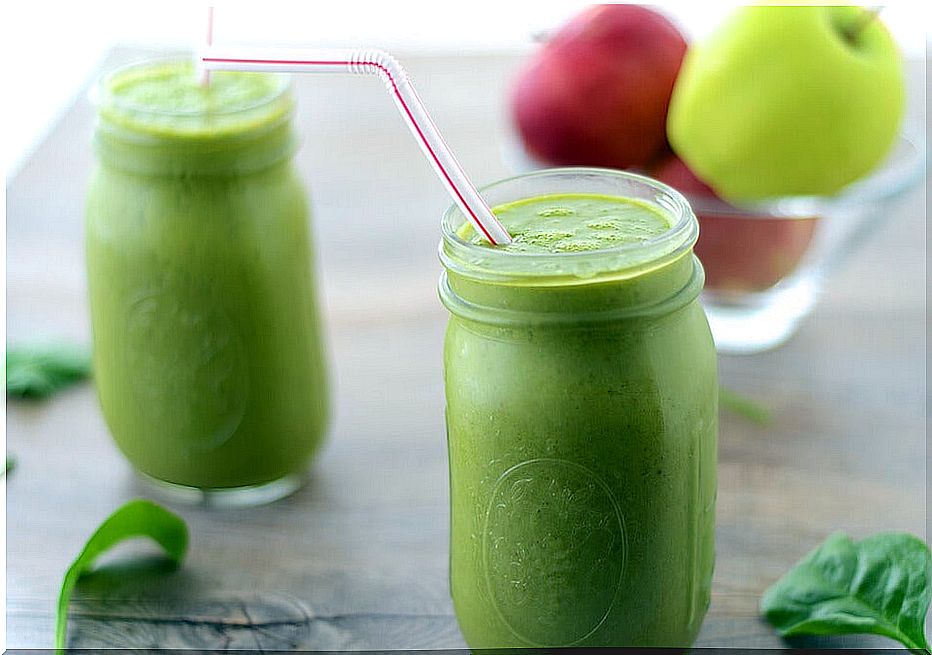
<point>581,389</point>
<point>207,349</point>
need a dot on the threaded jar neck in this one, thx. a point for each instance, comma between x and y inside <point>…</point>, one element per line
<point>650,277</point>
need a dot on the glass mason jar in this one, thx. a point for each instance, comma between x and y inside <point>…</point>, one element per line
<point>208,359</point>
<point>582,395</point>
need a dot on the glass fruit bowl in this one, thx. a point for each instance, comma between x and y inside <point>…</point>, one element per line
<point>766,263</point>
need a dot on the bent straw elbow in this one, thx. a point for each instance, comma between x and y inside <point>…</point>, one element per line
<point>378,62</point>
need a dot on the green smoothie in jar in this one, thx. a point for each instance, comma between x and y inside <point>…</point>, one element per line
<point>207,349</point>
<point>581,392</point>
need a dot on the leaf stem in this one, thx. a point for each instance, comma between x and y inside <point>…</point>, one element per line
<point>868,16</point>
<point>744,406</point>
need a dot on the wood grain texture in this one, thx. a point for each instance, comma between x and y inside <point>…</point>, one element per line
<point>358,558</point>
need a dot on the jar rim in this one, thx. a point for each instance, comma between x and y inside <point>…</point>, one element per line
<point>101,94</point>
<point>503,266</point>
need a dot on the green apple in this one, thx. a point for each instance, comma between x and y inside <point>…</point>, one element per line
<point>788,101</point>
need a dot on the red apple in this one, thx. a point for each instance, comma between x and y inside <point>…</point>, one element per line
<point>674,171</point>
<point>597,92</point>
<point>739,251</point>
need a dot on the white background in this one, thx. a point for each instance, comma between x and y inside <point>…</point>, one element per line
<point>50,51</point>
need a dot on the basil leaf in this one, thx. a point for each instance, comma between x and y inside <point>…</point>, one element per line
<point>744,406</point>
<point>880,585</point>
<point>40,371</point>
<point>137,518</point>
<point>10,465</point>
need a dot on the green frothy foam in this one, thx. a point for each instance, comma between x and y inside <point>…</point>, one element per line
<point>167,98</point>
<point>574,223</point>
<point>173,87</point>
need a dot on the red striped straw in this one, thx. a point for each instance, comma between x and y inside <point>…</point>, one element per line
<point>209,40</point>
<point>379,63</point>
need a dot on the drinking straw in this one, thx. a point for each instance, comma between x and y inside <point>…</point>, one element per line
<point>209,40</point>
<point>375,62</point>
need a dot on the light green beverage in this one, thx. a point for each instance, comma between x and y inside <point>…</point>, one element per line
<point>207,350</point>
<point>581,416</point>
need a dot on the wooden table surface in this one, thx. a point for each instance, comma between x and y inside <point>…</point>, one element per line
<point>358,558</point>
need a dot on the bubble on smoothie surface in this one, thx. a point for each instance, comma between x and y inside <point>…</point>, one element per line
<point>574,223</point>
<point>556,211</point>
<point>605,224</point>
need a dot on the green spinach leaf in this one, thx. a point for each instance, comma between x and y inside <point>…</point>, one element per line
<point>880,585</point>
<point>137,518</point>
<point>40,371</point>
